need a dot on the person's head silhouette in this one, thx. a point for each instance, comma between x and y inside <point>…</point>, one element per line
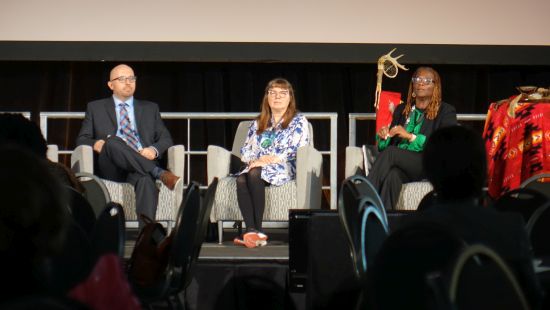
<point>33,221</point>
<point>455,163</point>
<point>15,129</point>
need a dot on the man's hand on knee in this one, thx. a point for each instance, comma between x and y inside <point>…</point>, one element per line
<point>148,153</point>
<point>98,145</point>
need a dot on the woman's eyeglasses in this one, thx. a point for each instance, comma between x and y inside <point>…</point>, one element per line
<point>418,80</point>
<point>282,93</point>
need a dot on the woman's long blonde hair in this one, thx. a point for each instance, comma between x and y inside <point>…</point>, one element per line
<point>265,113</point>
<point>433,106</point>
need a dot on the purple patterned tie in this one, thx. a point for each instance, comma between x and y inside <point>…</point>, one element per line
<point>126,129</point>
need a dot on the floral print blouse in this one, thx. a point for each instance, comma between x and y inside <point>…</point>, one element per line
<point>283,143</point>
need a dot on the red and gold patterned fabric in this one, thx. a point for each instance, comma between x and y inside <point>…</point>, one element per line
<point>517,147</point>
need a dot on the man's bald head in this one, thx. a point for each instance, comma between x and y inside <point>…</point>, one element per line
<point>122,82</point>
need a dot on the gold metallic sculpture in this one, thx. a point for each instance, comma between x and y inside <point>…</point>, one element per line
<point>388,66</point>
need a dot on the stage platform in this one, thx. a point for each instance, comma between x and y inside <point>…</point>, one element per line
<point>276,250</point>
<point>228,276</point>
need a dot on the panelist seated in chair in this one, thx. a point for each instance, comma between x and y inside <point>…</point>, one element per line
<point>129,137</point>
<point>401,144</point>
<point>269,156</point>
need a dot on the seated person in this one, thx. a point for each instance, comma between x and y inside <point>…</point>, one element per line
<point>128,137</point>
<point>401,144</point>
<point>455,163</point>
<point>269,153</point>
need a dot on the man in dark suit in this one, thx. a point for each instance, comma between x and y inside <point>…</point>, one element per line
<point>455,163</point>
<point>128,137</point>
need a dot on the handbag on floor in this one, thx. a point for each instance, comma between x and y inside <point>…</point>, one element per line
<point>150,255</point>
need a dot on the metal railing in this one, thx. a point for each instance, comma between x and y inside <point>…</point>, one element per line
<point>354,117</point>
<point>25,114</point>
<point>332,152</point>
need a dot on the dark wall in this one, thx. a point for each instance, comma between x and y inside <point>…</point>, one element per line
<point>185,86</point>
<point>273,52</point>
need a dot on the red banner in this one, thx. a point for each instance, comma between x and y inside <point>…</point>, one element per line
<point>387,104</point>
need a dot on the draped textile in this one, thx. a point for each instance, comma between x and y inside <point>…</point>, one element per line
<point>517,147</point>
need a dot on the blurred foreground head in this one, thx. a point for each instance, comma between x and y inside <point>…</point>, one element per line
<point>33,209</point>
<point>455,163</point>
<point>15,129</point>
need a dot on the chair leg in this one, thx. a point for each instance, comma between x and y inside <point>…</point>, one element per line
<point>239,226</point>
<point>175,302</point>
<point>169,226</point>
<point>220,232</point>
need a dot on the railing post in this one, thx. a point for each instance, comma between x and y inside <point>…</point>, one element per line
<point>333,160</point>
<point>351,131</point>
<point>44,126</point>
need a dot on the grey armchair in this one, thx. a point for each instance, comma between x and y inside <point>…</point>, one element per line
<point>123,193</point>
<point>411,193</point>
<point>302,193</point>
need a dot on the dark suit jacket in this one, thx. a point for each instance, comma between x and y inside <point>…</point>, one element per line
<point>100,122</point>
<point>446,116</point>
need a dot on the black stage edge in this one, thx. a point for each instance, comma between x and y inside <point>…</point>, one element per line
<point>239,284</point>
<point>234,277</point>
<point>272,52</point>
<point>303,267</point>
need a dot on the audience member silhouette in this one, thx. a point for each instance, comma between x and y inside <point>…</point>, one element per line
<point>455,163</point>
<point>15,129</point>
<point>33,222</point>
<point>18,130</point>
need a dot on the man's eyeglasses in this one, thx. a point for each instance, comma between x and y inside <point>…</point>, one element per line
<point>418,80</point>
<point>282,93</point>
<point>125,79</point>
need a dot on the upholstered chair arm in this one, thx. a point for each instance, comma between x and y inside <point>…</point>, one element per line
<point>218,162</point>
<point>176,159</point>
<point>52,153</point>
<point>309,164</point>
<point>354,160</point>
<point>82,159</point>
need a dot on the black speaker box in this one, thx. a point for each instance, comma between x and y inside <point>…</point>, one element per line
<point>298,246</point>
<point>319,260</point>
<point>297,250</point>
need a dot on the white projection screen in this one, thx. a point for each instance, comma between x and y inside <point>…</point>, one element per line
<point>468,22</point>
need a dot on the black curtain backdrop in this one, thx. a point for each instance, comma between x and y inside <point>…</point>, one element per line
<point>38,86</point>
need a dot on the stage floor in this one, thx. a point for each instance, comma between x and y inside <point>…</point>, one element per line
<point>230,277</point>
<point>273,251</point>
<point>276,249</point>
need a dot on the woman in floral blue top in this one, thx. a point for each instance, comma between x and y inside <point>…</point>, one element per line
<point>269,153</point>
